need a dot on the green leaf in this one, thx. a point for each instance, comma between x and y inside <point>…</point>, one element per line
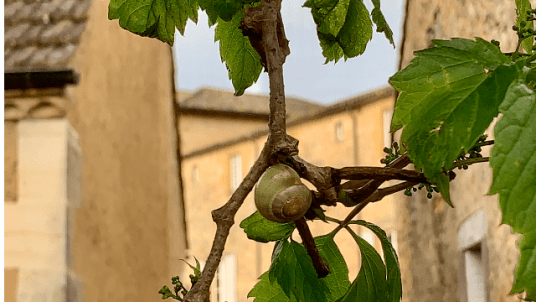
<point>513,158</point>
<point>293,270</point>
<point>261,229</point>
<point>525,275</point>
<point>265,291</point>
<point>357,30</point>
<point>337,280</point>
<point>522,6</point>
<point>154,18</point>
<point>331,50</point>
<point>242,61</point>
<point>381,24</point>
<point>394,283</point>
<point>343,26</point>
<point>449,94</point>
<point>371,283</point>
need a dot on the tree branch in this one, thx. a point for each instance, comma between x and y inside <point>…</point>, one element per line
<point>378,173</point>
<point>224,218</point>
<point>266,20</point>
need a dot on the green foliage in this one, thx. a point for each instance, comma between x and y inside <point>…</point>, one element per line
<point>381,24</point>
<point>337,281</point>
<point>241,59</point>
<point>513,162</point>
<point>449,95</point>
<point>343,26</point>
<point>293,270</point>
<point>371,282</point>
<point>179,291</point>
<point>261,229</point>
<point>154,18</point>
<point>289,266</point>
<point>525,276</point>
<point>524,24</point>
<point>265,290</point>
<point>394,283</point>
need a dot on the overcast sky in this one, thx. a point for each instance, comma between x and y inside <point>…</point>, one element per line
<point>198,63</point>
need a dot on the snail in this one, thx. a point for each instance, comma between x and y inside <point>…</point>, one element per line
<point>280,196</point>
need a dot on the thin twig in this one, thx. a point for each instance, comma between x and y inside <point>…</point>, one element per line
<point>469,161</point>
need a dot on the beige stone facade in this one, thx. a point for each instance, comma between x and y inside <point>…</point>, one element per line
<point>464,253</point>
<point>345,134</point>
<point>92,203</point>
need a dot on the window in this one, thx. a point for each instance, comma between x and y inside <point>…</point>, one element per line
<point>387,115</point>
<point>339,132</point>
<point>474,274</point>
<point>226,279</point>
<point>236,171</point>
<point>473,258</point>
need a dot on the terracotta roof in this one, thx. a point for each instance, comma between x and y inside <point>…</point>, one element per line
<point>215,100</point>
<point>41,35</point>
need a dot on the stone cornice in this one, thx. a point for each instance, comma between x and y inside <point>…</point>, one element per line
<point>34,105</point>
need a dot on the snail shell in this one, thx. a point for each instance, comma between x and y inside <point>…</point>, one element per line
<point>280,196</point>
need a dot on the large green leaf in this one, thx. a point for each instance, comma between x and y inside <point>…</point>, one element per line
<point>394,282</point>
<point>513,160</point>
<point>337,280</point>
<point>381,24</point>
<point>522,7</point>
<point>371,283</point>
<point>293,270</point>
<point>261,229</point>
<point>266,291</point>
<point>343,26</point>
<point>525,279</point>
<point>449,95</point>
<point>241,59</point>
<point>153,18</point>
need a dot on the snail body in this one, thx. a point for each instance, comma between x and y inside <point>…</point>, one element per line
<point>280,196</point>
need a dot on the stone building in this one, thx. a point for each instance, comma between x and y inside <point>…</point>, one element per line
<point>92,209</point>
<point>462,253</point>
<point>222,135</point>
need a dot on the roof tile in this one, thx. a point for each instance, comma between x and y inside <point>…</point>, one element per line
<point>42,33</point>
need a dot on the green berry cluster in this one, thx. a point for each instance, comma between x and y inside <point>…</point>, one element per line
<point>179,289</point>
<point>430,188</point>
<point>392,153</point>
<point>474,152</point>
<point>522,30</point>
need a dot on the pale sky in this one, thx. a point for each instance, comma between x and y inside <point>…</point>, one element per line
<point>198,62</point>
